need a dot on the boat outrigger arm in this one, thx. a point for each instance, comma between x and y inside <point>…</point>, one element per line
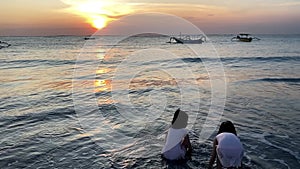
<point>187,39</point>
<point>4,45</point>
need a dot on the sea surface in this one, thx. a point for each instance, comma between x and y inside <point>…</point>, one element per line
<point>67,102</point>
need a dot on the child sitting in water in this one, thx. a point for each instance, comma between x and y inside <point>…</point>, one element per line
<point>227,148</point>
<point>177,146</point>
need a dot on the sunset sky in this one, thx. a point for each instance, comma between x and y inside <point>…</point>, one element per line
<point>84,17</point>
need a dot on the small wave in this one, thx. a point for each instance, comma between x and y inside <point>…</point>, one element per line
<point>192,60</point>
<point>253,59</point>
<point>294,80</point>
<point>13,64</point>
<point>48,61</point>
<point>264,59</point>
<point>37,117</point>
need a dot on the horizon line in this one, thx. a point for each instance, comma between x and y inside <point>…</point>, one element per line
<point>145,33</point>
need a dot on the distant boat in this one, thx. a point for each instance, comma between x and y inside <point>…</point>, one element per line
<point>4,44</point>
<point>244,37</point>
<point>188,39</point>
<point>89,38</point>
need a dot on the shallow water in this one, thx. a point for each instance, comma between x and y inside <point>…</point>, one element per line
<point>124,93</point>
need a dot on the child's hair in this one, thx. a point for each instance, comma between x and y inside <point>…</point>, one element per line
<point>228,127</point>
<point>180,119</point>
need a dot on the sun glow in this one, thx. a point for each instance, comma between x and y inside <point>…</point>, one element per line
<point>98,13</point>
<point>99,22</point>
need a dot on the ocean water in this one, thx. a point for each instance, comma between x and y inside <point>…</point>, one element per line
<point>106,103</point>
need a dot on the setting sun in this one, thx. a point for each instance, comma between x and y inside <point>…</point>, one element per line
<point>99,22</point>
<point>97,13</point>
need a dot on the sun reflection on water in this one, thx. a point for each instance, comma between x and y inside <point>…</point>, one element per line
<point>102,71</point>
<point>102,85</point>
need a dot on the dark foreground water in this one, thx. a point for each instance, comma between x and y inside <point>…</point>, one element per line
<point>114,113</point>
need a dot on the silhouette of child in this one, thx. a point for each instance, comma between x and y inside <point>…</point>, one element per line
<point>177,145</point>
<point>227,148</point>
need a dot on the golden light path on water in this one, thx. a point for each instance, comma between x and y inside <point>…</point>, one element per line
<point>97,13</point>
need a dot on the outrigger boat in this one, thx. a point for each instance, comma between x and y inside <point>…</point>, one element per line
<point>4,45</point>
<point>244,37</point>
<point>188,39</point>
<point>89,38</point>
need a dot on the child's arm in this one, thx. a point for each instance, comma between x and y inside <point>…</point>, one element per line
<point>187,145</point>
<point>213,155</point>
<point>187,142</point>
